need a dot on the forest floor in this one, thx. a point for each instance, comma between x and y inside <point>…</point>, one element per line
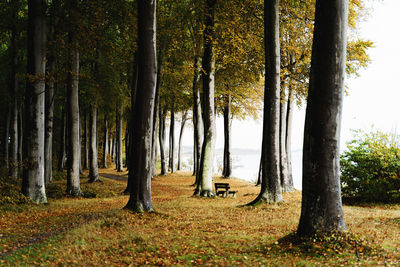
<point>95,230</point>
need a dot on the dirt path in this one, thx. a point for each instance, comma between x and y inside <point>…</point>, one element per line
<point>114,177</point>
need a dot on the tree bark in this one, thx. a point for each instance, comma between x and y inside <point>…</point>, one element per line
<point>74,149</point>
<point>120,167</point>
<point>105,142</point>
<point>93,161</point>
<point>33,174</point>
<point>142,115</point>
<point>184,119</point>
<point>20,133</point>
<point>271,184</point>
<point>204,183</point>
<point>227,170</point>
<point>156,114</point>
<point>161,137</point>
<point>197,120</point>
<point>85,143</point>
<point>321,209</point>
<point>6,135</point>
<point>171,162</point>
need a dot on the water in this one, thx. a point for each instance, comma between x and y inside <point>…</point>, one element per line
<point>245,164</point>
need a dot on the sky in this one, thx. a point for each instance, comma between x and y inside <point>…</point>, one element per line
<point>373,98</point>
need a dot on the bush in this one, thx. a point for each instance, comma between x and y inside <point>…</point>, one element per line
<point>10,190</point>
<point>370,167</point>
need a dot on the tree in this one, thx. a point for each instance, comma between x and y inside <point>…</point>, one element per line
<point>321,209</point>
<point>142,115</point>
<point>33,174</point>
<point>205,175</point>
<point>74,151</point>
<point>93,161</point>
<point>271,184</point>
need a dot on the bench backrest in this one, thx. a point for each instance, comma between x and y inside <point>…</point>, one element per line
<point>221,185</point>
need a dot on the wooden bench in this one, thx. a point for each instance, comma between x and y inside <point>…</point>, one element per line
<point>222,189</point>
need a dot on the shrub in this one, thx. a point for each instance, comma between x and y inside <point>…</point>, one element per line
<point>370,167</point>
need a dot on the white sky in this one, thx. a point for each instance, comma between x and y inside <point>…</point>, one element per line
<point>374,97</point>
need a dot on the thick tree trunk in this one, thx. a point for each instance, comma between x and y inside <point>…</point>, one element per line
<point>13,156</point>
<point>63,131</point>
<point>227,169</point>
<point>120,167</point>
<point>204,183</point>
<point>93,162</point>
<point>74,148</point>
<point>161,138</point>
<point>171,161</point>
<point>288,137</point>
<point>321,209</point>
<point>286,185</point>
<point>142,115</point>
<point>197,120</point>
<point>271,184</point>
<point>33,174</point>
<point>105,142</point>
<point>184,119</point>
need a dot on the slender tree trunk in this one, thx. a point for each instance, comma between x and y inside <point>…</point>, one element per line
<point>142,115</point>
<point>156,113</point>
<point>288,137</point>
<point>49,111</point>
<point>197,120</point>
<point>271,184</point>
<point>259,176</point>
<point>74,149</point>
<point>204,181</point>
<point>93,163</point>
<point>33,174</point>
<point>62,153</point>
<point>162,140</point>
<point>105,142</point>
<point>171,162</point>
<point>6,135</point>
<point>183,123</point>
<point>20,133</point>
<point>119,140</point>
<point>227,170</point>
<point>85,143</point>
<point>285,182</point>
<point>321,209</point>
<point>13,156</point>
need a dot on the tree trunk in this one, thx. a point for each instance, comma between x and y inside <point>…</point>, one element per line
<point>20,133</point>
<point>142,115</point>
<point>13,156</point>
<point>197,120</point>
<point>285,182</point>
<point>93,162</point>
<point>119,139</point>
<point>321,209</point>
<point>33,174</point>
<point>74,149</point>
<point>184,119</point>
<point>204,183</point>
<point>227,170</point>
<point>85,143</point>
<point>161,137</point>
<point>259,176</point>
<point>171,162</point>
<point>105,142</point>
<point>6,136</point>
<point>156,114</point>
<point>63,131</point>
<point>288,137</point>
<point>271,184</point>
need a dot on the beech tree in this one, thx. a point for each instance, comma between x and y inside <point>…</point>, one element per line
<point>321,209</point>
<point>33,173</point>
<point>205,175</point>
<point>271,184</point>
<point>142,116</point>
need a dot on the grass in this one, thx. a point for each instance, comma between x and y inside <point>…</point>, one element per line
<point>188,230</point>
